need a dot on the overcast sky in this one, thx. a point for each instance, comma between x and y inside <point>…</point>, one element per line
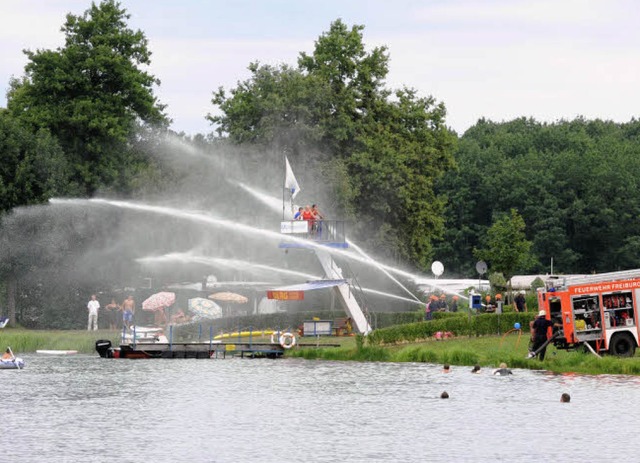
<point>498,59</point>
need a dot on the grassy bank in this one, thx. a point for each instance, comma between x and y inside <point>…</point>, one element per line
<point>487,351</point>
<point>25,341</point>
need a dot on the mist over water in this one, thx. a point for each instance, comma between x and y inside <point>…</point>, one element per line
<point>213,213</point>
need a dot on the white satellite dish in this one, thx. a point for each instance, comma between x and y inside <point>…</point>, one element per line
<point>437,268</point>
<point>481,267</point>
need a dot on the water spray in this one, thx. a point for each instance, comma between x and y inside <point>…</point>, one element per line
<point>217,261</point>
<point>381,268</point>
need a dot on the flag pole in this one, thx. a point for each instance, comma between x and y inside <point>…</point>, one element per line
<point>284,180</point>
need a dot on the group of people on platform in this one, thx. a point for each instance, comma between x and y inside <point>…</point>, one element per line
<point>117,315</point>
<point>313,216</point>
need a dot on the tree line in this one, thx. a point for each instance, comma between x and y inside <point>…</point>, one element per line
<point>517,193</point>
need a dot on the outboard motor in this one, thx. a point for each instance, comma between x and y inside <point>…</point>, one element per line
<point>103,346</point>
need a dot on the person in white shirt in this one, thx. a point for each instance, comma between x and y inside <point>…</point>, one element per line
<point>93,307</point>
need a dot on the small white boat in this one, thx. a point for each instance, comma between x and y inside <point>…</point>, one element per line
<point>145,334</point>
<point>12,364</point>
<point>56,352</point>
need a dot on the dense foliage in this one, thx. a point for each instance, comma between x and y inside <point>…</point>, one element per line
<point>575,184</point>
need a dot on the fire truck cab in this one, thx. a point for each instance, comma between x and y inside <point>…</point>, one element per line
<point>599,310</point>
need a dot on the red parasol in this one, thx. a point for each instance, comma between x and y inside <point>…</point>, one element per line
<point>159,301</point>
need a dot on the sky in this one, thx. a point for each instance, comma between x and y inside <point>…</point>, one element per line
<point>493,59</point>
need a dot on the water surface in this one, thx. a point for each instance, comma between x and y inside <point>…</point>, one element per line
<point>84,408</point>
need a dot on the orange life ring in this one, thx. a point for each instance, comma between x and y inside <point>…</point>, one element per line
<point>287,340</point>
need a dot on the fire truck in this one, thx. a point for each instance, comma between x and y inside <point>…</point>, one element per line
<point>599,311</point>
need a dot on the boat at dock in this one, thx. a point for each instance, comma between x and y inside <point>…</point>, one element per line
<point>198,350</point>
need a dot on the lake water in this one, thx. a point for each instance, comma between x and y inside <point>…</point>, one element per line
<point>86,409</point>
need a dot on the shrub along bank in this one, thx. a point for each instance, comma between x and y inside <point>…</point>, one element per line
<point>460,324</point>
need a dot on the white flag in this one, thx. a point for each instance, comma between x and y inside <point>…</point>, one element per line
<point>290,182</point>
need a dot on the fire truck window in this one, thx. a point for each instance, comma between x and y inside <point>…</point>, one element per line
<point>555,308</point>
<point>586,312</point>
<point>618,309</point>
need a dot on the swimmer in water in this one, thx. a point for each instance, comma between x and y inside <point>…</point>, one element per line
<point>476,369</point>
<point>503,370</point>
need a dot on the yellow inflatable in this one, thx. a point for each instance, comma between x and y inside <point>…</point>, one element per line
<point>245,334</point>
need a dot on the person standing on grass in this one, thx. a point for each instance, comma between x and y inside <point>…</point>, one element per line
<point>92,307</point>
<point>454,304</point>
<point>539,328</point>
<point>520,302</point>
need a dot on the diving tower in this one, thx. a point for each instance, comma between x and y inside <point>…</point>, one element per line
<point>318,237</point>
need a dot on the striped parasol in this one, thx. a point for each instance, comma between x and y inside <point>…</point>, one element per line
<point>204,308</point>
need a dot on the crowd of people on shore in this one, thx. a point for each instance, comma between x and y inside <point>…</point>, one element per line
<point>440,304</point>
<point>118,316</point>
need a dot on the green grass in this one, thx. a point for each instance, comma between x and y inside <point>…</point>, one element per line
<point>25,341</point>
<point>487,351</point>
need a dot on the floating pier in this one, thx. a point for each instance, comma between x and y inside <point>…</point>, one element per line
<point>195,350</point>
<point>215,349</point>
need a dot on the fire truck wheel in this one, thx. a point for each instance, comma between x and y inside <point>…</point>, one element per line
<point>623,345</point>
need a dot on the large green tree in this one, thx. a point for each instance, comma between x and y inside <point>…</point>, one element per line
<point>92,94</point>
<point>506,248</point>
<point>379,151</point>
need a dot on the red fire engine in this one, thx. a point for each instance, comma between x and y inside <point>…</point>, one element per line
<point>600,310</point>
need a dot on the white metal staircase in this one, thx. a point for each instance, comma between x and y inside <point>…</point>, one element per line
<point>334,272</point>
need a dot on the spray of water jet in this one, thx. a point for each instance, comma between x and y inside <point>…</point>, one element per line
<point>268,200</point>
<point>218,261</point>
<point>206,219</point>
<point>392,296</point>
<point>381,268</point>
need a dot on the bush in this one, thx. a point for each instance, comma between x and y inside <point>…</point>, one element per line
<point>459,324</point>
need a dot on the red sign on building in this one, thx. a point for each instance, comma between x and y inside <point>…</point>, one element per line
<point>286,295</point>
